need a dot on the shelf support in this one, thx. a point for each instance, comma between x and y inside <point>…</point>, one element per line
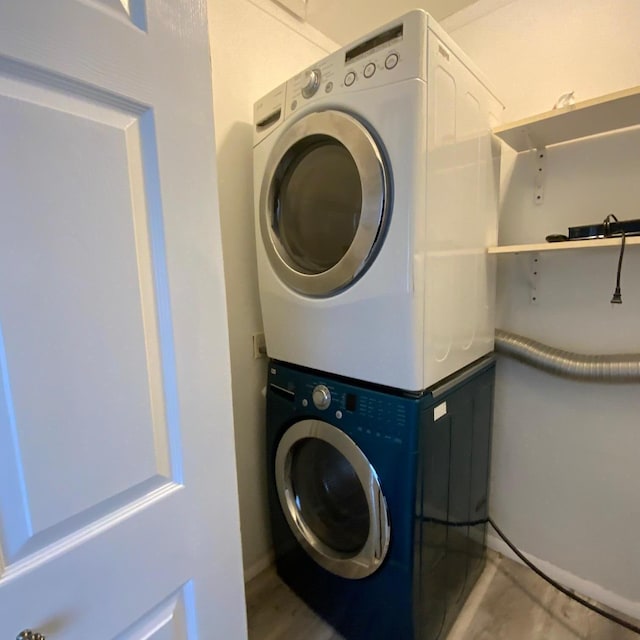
<point>539,179</point>
<point>534,277</point>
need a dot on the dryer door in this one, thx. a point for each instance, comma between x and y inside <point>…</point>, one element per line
<point>323,203</point>
<point>331,498</point>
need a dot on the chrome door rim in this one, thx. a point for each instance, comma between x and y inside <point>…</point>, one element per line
<point>369,558</point>
<point>374,180</point>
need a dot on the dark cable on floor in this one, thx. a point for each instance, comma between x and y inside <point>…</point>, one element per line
<point>557,585</point>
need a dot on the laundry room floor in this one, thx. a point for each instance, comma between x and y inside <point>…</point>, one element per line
<point>509,602</point>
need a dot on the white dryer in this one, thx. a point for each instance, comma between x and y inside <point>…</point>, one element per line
<point>376,187</point>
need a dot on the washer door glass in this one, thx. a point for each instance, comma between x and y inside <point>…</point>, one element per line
<point>324,203</point>
<point>331,498</point>
<point>329,495</point>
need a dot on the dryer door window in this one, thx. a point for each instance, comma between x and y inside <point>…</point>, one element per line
<point>324,203</point>
<point>331,498</point>
<point>316,243</point>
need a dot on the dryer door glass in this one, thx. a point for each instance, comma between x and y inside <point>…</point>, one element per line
<point>318,204</point>
<point>331,498</point>
<point>324,203</point>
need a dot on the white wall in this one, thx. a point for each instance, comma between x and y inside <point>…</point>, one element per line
<point>255,46</point>
<point>566,455</point>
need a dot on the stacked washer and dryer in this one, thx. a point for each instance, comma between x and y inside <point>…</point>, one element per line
<point>376,187</point>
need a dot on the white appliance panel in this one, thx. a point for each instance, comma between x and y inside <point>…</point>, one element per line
<point>462,200</point>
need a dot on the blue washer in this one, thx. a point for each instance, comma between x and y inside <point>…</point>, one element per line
<point>378,498</point>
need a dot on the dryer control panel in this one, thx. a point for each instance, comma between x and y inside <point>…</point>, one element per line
<point>390,54</point>
<point>393,53</point>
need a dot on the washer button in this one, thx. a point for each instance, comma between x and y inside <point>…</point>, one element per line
<point>370,69</point>
<point>350,78</point>
<point>391,61</point>
<point>339,414</point>
<point>328,87</point>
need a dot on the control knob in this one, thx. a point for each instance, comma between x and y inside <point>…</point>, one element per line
<point>311,82</point>
<point>321,397</point>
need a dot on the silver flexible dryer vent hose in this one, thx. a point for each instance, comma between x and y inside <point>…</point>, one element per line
<point>604,368</point>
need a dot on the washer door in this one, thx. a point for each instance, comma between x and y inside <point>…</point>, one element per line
<point>323,203</point>
<point>331,498</point>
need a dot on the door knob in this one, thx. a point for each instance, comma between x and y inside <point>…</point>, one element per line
<point>27,634</point>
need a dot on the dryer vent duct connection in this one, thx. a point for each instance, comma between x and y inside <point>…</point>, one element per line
<point>602,368</point>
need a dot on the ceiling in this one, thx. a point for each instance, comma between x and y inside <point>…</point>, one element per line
<point>347,20</point>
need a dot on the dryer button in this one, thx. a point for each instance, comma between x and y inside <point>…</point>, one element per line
<point>391,61</point>
<point>321,397</point>
<point>350,78</point>
<point>369,70</point>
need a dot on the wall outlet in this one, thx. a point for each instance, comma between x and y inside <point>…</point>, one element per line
<point>259,346</point>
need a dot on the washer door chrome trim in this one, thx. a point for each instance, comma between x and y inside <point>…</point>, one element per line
<point>374,180</point>
<point>371,555</point>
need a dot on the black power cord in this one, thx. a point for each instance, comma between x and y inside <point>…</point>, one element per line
<point>557,585</point>
<point>617,296</point>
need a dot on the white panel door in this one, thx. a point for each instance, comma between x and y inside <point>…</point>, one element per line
<point>118,500</point>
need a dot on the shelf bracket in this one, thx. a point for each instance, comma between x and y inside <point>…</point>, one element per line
<point>539,179</point>
<point>534,277</point>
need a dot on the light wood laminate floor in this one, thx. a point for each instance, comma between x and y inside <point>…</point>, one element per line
<point>509,602</point>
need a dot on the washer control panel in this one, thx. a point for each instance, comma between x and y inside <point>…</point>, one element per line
<point>360,412</point>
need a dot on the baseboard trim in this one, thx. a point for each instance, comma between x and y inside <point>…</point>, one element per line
<point>259,566</point>
<point>571,581</point>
